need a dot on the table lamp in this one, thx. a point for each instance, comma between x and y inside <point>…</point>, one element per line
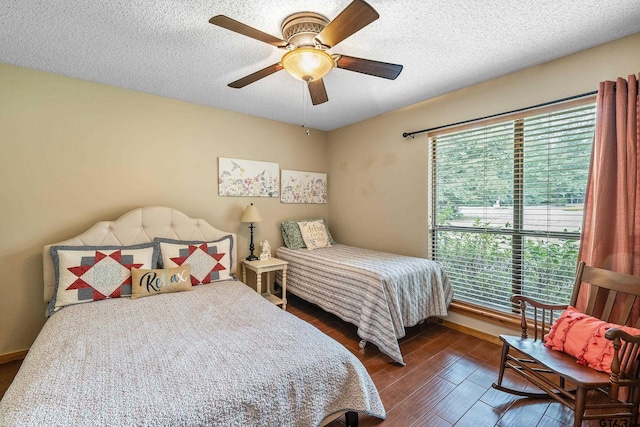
<point>251,215</point>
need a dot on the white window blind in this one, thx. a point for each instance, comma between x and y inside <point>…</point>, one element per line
<point>508,204</point>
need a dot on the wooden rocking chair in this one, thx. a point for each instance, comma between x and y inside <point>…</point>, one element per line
<point>557,374</point>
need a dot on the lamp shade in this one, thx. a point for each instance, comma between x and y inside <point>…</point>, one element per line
<point>307,63</point>
<point>251,214</point>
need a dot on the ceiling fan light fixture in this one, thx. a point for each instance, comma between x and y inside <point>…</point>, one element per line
<point>307,63</point>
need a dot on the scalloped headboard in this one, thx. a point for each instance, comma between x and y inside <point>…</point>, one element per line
<point>140,225</point>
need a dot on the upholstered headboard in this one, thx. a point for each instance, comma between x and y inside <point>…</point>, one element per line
<point>140,225</point>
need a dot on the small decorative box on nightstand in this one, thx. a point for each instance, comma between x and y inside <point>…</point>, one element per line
<point>267,266</point>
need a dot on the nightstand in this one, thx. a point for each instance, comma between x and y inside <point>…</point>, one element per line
<point>267,266</point>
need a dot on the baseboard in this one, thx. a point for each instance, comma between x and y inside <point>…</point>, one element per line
<point>470,331</point>
<point>10,357</point>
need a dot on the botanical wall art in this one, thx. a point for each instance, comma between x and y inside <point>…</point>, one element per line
<point>303,187</point>
<point>238,177</point>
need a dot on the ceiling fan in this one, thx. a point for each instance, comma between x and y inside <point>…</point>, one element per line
<point>307,36</point>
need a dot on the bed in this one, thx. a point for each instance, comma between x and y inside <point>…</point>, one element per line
<point>379,292</point>
<point>216,354</point>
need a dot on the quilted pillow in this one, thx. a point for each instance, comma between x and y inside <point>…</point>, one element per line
<point>208,261</point>
<point>93,273</point>
<point>314,234</point>
<point>153,282</point>
<point>582,336</point>
<point>293,238</point>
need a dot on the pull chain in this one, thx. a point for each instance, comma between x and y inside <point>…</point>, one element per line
<point>305,105</point>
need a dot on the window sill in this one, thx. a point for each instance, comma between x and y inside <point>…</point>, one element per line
<point>496,317</point>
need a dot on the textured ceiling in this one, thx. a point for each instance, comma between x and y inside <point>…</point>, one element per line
<point>168,48</point>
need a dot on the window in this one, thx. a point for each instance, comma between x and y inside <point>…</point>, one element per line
<point>507,204</point>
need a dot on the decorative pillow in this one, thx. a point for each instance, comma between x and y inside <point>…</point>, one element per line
<point>582,337</point>
<point>153,282</point>
<point>293,238</point>
<point>92,273</point>
<point>314,234</point>
<point>555,340</point>
<point>599,350</point>
<point>570,331</point>
<point>208,261</point>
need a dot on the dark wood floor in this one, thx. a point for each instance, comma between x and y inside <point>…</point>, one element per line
<point>446,381</point>
<point>7,372</point>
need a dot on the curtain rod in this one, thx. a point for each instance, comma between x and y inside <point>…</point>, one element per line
<point>411,134</point>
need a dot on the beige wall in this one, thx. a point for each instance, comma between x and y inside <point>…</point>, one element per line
<point>379,194</point>
<point>75,152</point>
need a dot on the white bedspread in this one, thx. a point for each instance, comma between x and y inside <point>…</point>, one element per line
<point>379,292</point>
<point>218,355</point>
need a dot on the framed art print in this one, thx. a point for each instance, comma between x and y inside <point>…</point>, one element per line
<point>248,178</point>
<point>303,187</point>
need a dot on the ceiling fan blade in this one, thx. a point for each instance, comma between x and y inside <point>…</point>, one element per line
<point>256,76</point>
<point>318,92</point>
<point>367,66</point>
<point>240,28</point>
<point>353,18</point>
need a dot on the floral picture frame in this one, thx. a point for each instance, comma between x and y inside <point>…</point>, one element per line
<point>303,187</point>
<point>248,178</point>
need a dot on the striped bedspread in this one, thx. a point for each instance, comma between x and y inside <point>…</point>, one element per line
<point>379,292</point>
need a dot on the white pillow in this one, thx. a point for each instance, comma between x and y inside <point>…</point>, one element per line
<point>314,234</point>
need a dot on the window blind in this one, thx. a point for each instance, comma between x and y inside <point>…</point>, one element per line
<point>508,204</point>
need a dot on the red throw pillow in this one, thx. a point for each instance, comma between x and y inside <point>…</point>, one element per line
<point>558,333</point>
<point>582,337</point>
<point>599,350</point>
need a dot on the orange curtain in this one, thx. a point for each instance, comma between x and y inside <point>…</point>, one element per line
<point>611,229</point>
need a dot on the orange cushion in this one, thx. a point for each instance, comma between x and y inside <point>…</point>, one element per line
<point>599,350</point>
<point>582,337</point>
<point>558,333</point>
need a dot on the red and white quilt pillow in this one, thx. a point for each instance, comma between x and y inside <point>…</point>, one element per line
<point>208,261</point>
<point>92,273</point>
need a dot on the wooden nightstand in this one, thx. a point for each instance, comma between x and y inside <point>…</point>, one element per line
<point>267,266</point>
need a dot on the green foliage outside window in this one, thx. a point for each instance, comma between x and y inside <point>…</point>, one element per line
<point>508,206</point>
<point>482,263</point>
